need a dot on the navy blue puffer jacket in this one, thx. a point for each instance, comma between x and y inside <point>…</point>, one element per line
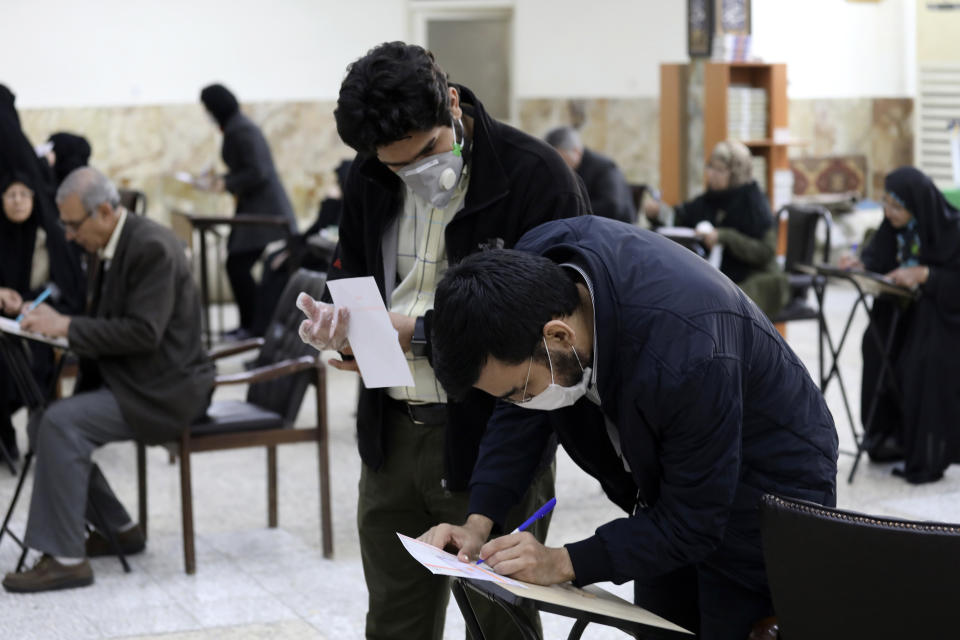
<point>712,408</point>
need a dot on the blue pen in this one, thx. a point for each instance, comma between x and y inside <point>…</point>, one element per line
<point>539,513</point>
<point>40,298</point>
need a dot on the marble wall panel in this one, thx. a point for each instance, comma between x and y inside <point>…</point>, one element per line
<point>627,130</point>
<point>891,139</point>
<point>696,92</point>
<point>141,147</point>
<point>881,129</point>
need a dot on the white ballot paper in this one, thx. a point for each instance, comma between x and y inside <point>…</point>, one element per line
<point>438,561</point>
<point>13,327</point>
<point>591,598</point>
<point>184,176</point>
<point>371,335</point>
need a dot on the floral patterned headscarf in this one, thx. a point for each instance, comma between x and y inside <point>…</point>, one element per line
<point>735,156</point>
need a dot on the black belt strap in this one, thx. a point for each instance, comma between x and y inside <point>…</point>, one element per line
<point>434,413</point>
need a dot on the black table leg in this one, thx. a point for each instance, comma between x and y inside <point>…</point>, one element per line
<point>205,287</point>
<point>885,366</point>
<point>16,496</point>
<point>834,368</point>
<point>5,455</point>
<point>577,630</point>
<point>469,615</point>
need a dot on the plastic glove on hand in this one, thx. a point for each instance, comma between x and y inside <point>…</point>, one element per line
<point>325,326</point>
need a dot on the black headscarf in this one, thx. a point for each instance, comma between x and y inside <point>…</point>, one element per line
<point>219,102</point>
<point>938,222</point>
<point>7,100</point>
<point>72,152</point>
<point>16,152</point>
<point>17,244</point>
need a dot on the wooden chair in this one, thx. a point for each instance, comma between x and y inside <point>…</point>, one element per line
<point>134,201</point>
<point>801,228</point>
<point>278,381</point>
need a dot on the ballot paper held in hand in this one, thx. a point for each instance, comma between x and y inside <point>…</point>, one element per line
<point>439,562</point>
<point>371,334</point>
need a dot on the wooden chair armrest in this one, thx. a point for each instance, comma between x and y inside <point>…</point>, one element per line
<point>235,348</point>
<point>268,372</point>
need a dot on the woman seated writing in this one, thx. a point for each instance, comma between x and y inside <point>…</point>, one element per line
<point>739,220</point>
<point>917,245</point>
<point>33,254</point>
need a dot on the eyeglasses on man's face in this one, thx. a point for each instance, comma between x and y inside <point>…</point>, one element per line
<point>73,226</point>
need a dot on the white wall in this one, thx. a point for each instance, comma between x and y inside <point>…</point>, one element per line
<point>596,48</point>
<point>118,52</point>
<point>838,48</point>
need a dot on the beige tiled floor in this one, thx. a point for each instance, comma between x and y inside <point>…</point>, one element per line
<point>254,582</point>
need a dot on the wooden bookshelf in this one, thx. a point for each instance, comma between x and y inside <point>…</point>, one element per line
<point>674,128</point>
<point>772,78</point>
<point>718,77</point>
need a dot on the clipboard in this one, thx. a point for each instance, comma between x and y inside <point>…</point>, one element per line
<point>12,327</point>
<point>870,282</point>
<point>586,605</point>
<point>684,236</point>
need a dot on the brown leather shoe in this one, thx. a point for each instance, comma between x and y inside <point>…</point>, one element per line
<point>131,542</point>
<point>47,575</point>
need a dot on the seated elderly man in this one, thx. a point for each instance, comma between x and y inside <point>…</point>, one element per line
<point>145,376</point>
<point>610,195</point>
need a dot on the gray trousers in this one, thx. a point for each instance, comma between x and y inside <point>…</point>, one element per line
<point>65,480</point>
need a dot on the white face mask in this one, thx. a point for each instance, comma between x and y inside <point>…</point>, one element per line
<point>435,177</point>
<point>555,396</point>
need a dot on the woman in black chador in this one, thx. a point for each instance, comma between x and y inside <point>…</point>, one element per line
<point>34,254</point>
<point>917,245</point>
<point>252,179</point>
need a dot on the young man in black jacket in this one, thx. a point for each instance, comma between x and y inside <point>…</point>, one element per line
<point>661,379</point>
<point>435,180</point>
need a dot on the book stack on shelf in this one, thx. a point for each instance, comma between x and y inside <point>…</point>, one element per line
<point>760,172</point>
<point>782,188</point>
<point>747,109</point>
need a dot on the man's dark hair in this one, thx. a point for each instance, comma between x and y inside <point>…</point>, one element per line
<point>395,89</point>
<point>494,304</point>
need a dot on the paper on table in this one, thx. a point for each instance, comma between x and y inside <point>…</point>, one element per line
<point>13,327</point>
<point>371,335</point>
<point>438,561</point>
<point>677,232</point>
<point>184,176</point>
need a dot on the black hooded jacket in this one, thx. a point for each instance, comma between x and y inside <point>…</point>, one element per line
<point>516,183</point>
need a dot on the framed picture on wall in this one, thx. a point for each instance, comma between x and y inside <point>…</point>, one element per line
<point>699,28</point>
<point>732,17</point>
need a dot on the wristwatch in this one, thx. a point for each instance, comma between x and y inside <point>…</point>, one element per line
<point>418,344</point>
